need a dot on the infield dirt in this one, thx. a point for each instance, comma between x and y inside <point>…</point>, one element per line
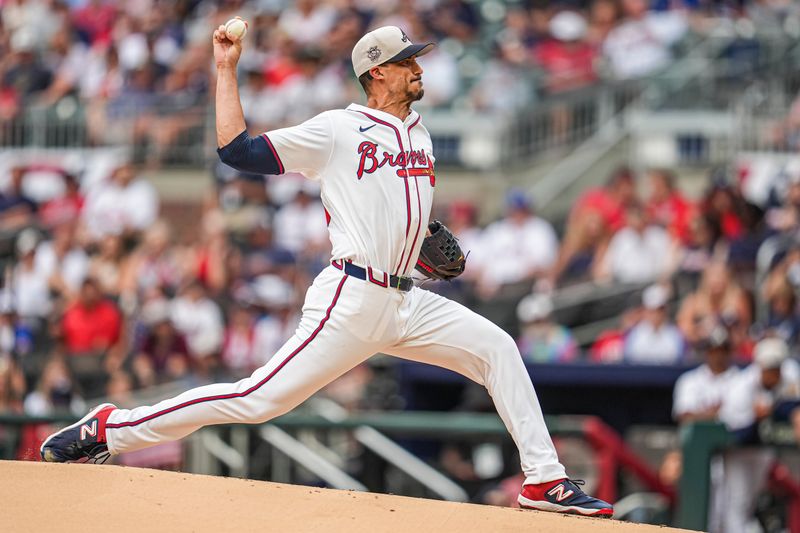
<point>38,497</point>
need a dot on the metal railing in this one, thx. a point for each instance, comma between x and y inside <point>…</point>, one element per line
<point>761,111</point>
<point>393,453</point>
<point>177,137</point>
<point>654,92</point>
<point>209,451</point>
<point>737,103</point>
<point>763,121</point>
<point>565,121</point>
<point>298,452</point>
<point>186,137</point>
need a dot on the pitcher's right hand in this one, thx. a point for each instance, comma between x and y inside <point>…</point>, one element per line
<point>226,49</point>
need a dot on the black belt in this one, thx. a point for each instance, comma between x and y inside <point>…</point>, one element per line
<point>401,283</point>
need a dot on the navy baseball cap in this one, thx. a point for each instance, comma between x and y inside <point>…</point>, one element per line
<point>387,44</point>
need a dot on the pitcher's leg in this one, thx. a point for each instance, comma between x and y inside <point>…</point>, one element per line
<point>322,349</point>
<point>272,390</point>
<point>447,334</point>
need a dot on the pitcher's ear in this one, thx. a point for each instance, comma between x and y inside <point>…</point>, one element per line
<point>376,73</point>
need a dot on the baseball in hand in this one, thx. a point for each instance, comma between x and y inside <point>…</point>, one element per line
<point>236,27</point>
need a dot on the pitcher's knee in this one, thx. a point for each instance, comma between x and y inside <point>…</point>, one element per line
<point>503,344</point>
<point>265,414</point>
<point>272,407</point>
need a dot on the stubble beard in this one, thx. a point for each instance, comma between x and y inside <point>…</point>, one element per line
<point>415,96</point>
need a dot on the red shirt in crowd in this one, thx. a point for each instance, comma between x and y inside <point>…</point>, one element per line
<point>731,225</point>
<point>675,214</point>
<point>568,65</point>
<point>96,20</point>
<point>611,210</point>
<point>609,347</point>
<point>279,69</point>
<point>89,330</point>
<point>61,210</point>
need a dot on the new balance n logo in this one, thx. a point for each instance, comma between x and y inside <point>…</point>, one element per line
<point>91,430</point>
<point>558,493</point>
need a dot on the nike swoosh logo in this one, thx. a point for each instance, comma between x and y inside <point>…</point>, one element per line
<point>362,129</point>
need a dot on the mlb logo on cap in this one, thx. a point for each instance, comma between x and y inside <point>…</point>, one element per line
<point>388,44</point>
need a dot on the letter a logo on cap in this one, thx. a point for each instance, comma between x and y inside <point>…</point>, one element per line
<point>404,38</point>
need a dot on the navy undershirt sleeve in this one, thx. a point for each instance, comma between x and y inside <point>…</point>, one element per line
<point>250,154</point>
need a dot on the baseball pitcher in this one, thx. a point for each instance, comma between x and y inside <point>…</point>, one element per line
<point>375,166</point>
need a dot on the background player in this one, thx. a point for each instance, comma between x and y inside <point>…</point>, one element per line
<point>376,169</point>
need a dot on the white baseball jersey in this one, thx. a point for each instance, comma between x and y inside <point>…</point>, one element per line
<point>377,181</point>
<point>700,389</point>
<point>738,405</point>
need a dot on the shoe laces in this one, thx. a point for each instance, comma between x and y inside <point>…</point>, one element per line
<point>95,455</point>
<point>578,483</point>
<point>99,459</point>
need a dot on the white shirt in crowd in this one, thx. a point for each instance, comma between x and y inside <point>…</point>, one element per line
<point>469,239</point>
<point>270,335</point>
<point>307,29</point>
<point>39,19</point>
<point>738,406</point>
<point>637,48</point>
<point>297,227</point>
<point>200,321</point>
<point>38,404</point>
<point>262,106</point>
<point>302,96</point>
<point>524,247</point>
<point>239,353</point>
<point>31,292</point>
<point>96,79</point>
<point>111,209</point>
<point>71,66</point>
<point>496,73</point>
<point>634,257</point>
<point>73,268</point>
<point>646,344</point>
<point>701,390</point>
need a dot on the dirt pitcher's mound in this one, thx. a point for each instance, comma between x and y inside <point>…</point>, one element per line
<point>87,498</point>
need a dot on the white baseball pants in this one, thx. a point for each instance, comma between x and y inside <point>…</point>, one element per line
<point>738,477</point>
<point>345,321</point>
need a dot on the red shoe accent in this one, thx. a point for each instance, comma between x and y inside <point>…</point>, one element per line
<point>97,429</point>
<point>102,419</point>
<point>536,492</point>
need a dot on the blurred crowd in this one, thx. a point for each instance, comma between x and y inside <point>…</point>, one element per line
<point>141,72</point>
<point>698,256</point>
<point>103,295</point>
